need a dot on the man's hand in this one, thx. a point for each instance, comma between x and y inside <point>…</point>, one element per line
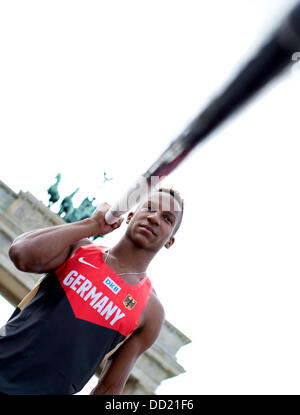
<point>99,218</point>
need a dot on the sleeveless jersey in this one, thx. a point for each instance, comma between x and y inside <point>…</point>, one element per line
<point>60,333</point>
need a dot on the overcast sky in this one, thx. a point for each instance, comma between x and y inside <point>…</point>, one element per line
<point>94,86</point>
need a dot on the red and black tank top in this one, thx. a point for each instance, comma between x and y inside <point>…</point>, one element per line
<point>54,342</point>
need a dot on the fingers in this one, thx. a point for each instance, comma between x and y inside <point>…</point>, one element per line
<point>117,224</point>
<point>100,216</point>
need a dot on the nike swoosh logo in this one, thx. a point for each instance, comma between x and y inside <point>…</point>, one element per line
<point>86,263</point>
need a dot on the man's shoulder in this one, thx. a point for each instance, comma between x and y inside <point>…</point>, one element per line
<point>87,243</point>
<point>156,311</point>
<point>152,322</point>
<point>82,242</point>
<point>156,299</point>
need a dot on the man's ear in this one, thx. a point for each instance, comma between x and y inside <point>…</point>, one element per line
<point>129,217</point>
<point>170,242</point>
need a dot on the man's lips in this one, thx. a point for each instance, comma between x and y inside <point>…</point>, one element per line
<point>148,229</point>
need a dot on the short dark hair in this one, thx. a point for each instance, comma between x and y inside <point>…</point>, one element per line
<point>179,199</point>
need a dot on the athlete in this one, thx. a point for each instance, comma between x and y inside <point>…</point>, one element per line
<point>93,305</point>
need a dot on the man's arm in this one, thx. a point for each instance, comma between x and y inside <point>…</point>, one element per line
<point>117,369</point>
<point>45,249</point>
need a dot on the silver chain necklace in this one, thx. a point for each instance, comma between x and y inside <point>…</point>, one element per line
<point>123,273</point>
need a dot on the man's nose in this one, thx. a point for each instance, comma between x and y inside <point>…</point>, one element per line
<point>153,217</point>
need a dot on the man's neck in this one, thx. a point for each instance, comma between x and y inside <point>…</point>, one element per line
<point>125,256</point>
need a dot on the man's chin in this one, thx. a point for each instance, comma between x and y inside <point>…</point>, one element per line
<point>142,242</point>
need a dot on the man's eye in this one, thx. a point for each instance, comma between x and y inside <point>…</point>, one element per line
<point>168,219</point>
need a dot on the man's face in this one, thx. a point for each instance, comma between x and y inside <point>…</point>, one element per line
<point>153,223</point>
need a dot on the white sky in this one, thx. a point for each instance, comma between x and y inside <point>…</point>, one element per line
<point>88,86</point>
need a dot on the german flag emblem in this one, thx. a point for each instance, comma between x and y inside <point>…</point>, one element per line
<point>129,302</point>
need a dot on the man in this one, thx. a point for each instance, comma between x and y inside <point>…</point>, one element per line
<point>93,305</point>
